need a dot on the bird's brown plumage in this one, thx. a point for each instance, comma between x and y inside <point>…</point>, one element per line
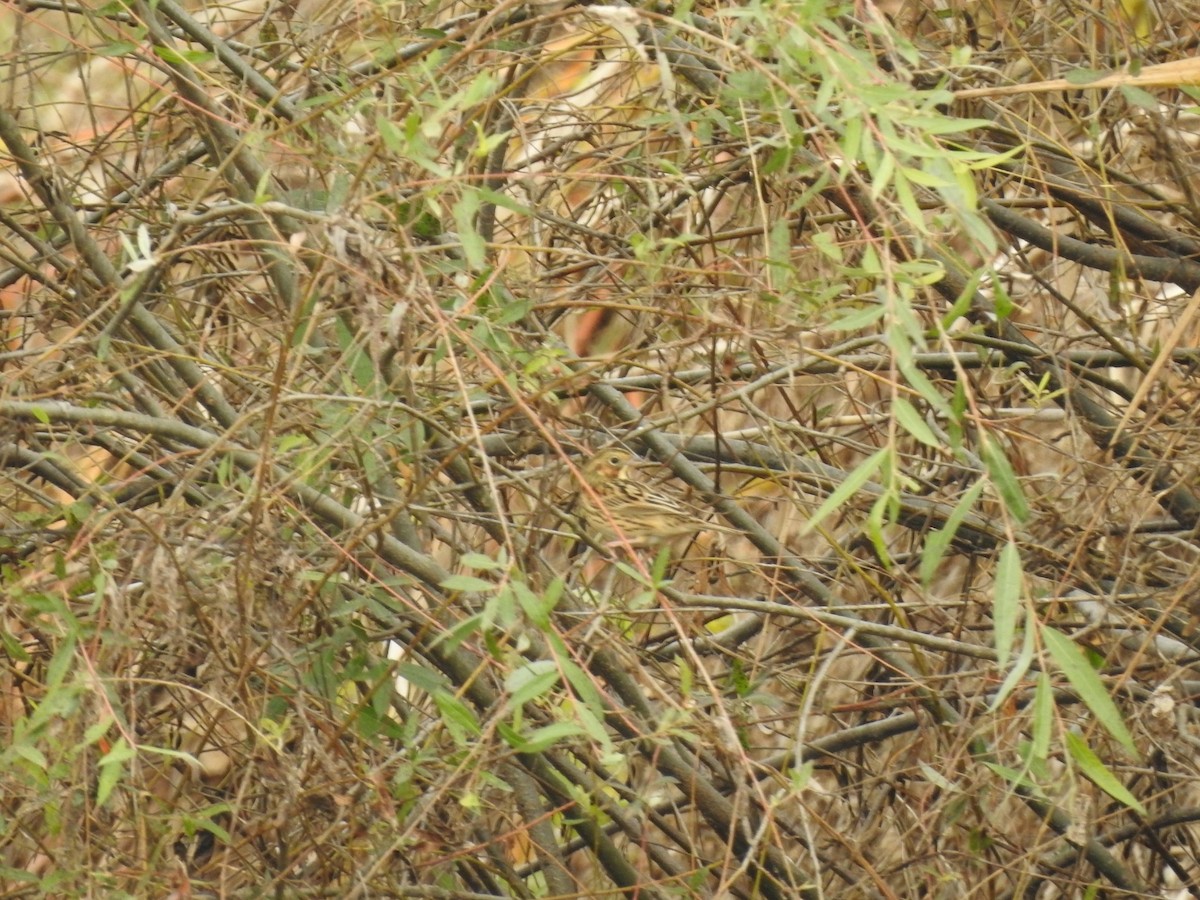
<point>632,511</point>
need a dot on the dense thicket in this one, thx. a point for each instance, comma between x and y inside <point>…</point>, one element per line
<point>312,315</point>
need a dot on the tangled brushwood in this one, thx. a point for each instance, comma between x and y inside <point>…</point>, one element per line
<point>582,450</point>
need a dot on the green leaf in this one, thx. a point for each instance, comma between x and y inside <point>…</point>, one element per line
<point>1087,685</point>
<point>1099,774</point>
<point>531,681</point>
<point>1083,76</point>
<point>460,631</point>
<point>480,562</point>
<point>847,489</point>
<point>1002,303</point>
<point>98,730</point>
<point>929,176</point>
<point>901,343</point>
<point>852,141</point>
<point>592,725</point>
<point>428,680</point>
<point>106,781</point>
<point>457,717</point>
<point>116,48</point>
<point>825,244</point>
<point>111,765</point>
<point>980,161</point>
<point>583,686</point>
<point>1015,777</point>
<point>540,739</point>
<point>501,609</point>
<point>911,421</point>
<point>1017,672</point>
<point>884,174</point>
<point>1135,96</point>
<point>30,754</point>
<point>537,608</point>
<point>1042,725</point>
<point>746,84</point>
<point>176,57</point>
<point>465,209</point>
<point>939,540</point>
<point>393,138</point>
<point>908,201</point>
<point>60,665</point>
<point>356,361</point>
<point>262,190</point>
<point>1006,605</point>
<point>962,305</point>
<point>467,583</point>
<point>858,319</point>
<point>883,511</point>
<point>506,201</point>
<point>202,820</point>
<point>186,758</point>
<point>1003,477</point>
<point>19,875</point>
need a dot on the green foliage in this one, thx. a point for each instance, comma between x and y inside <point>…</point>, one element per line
<point>1085,680</point>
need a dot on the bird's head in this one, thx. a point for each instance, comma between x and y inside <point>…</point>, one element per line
<point>607,465</point>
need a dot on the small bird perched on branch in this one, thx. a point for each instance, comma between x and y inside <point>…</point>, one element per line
<point>629,510</point>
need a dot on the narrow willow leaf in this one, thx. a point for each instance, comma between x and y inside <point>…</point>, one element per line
<point>881,178</point>
<point>531,681</point>
<point>847,489</point>
<point>592,725</point>
<point>1087,685</point>
<point>460,631</point>
<point>1006,605</point>
<point>457,716</point>
<point>116,48</point>
<point>480,562</point>
<point>939,540</point>
<point>465,210</point>
<point>851,143</point>
<point>981,161</point>
<point>928,176</point>
<point>111,766</point>
<point>963,304</point>
<point>908,201</point>
<point>1004,478</point>
<point>585,689</point>
<point>467,583</point>
<point>1138,97</point>
<point>537,607</point>
<point>902,351</point>
<point>539,739</point>
<point>1017,778</point>
<point>1099,774</point>
<point>859,318</point>
<point>1016,673</point>
<point>910,420</point>
<point>883,511</point>
<point>428,680</point>
<point>1043,719</point>
<point>1084,76</point>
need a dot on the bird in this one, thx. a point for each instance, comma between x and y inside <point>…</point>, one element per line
<point>629,511</point>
